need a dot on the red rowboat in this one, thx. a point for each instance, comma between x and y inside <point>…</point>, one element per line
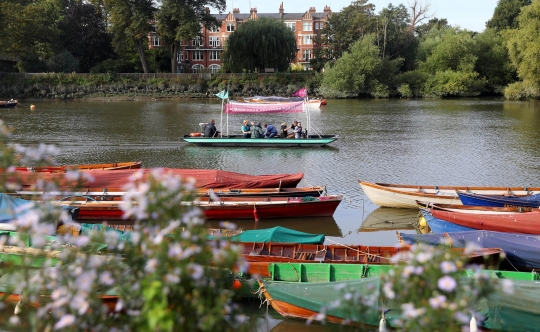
<point>500,219</point>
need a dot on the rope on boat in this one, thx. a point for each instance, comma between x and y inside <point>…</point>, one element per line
<point>360,251</point>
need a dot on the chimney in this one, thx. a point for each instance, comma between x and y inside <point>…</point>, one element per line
<point>236,11</point>
<point>327,9</point>
<point>281,10</point>
<point>312,9</point>
<point>253,10</point>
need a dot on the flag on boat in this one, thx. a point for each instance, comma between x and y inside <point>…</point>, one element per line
<point>223,94</point>
<point>300,93</point>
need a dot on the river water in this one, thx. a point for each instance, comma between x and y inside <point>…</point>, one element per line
<point>483,142</point>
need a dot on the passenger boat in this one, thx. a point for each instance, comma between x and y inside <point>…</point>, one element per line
<point>8,104</point>
<point>84,167</point>
<point>501,219</point>
<point>226,208</point>
<point>301,291</point>
<point>405,196</point>
<point>521,250</point>
<point>498,200</point>
<point>264,105</point>
<point>348,254</point>
<point>204,178</point>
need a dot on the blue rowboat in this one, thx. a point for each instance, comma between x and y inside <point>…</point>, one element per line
<point>499,201</point>
<point>522,250</point>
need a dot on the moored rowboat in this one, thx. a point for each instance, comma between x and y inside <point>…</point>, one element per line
<point>500,201</point>
<point>83,167</point>
<point>8,104</point>
<point>405,196</point>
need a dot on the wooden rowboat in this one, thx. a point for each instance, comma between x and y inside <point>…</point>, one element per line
<point>500,201</point>
<point>348,254</point>
<point>83,167</point>
<point>405,196</point>
<point>500,219</point>
<point>8,104</point>
<point>226,208</point>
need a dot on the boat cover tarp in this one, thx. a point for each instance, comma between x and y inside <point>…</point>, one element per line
<point>497,200</point>
<point>522,250</point>
<point>314,296</point>
<point>13,207</point>
<point>278,234</point>
<point>516,311</point>
<point>264,107</point>
<point>205,178</point>
<point>274,99</point>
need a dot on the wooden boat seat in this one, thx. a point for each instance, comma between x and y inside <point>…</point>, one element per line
<point>257,248</point>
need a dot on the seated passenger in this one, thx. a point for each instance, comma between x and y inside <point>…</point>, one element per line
<point>210,129</point>
<point>298,130</point>
<point>283,131</point>
<point>256,130</point>
<point>270,131</point>
<point>246,129</point>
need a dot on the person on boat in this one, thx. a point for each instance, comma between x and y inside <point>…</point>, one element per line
<point>256,130</point>
<point>298,130</point>
<point>210,129</point>
<point>269,130</point>
<point>283,132</point>
<point>291,128</point>
<point>246,129</point>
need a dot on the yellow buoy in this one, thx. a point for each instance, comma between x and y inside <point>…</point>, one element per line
<point>32,107</point>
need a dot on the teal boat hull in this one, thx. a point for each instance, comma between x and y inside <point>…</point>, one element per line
<point>238,141</point>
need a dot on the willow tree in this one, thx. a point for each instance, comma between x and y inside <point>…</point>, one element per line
<point>259,44</point>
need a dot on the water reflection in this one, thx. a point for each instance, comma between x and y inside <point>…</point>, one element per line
<point>384,219</point>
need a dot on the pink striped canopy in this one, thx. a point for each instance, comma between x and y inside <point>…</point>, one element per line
<point>263,107</point>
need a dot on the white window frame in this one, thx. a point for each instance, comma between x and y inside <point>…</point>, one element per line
<point>214,68</point>
<point>230,27</point>
<point>215,55</point>
<point>197,55</point>
<point>307,26</point>
<point>155,41</point>
<point>197,42</point>
<point>214,41</point>
<point>214,28</point>
<point>307,54</point>
<point>197,68</point>
<point>180,57</point>
<point>307,39</point>
<point>291,25</point>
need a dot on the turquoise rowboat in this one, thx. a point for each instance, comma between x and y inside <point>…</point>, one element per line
<point>238,141</point>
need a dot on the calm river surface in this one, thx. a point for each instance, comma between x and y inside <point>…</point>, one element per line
<point>485,142</point>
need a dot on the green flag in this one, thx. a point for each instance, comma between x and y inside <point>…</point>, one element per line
<point>223,94</point>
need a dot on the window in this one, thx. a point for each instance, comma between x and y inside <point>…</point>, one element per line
<point>230,27</point>
<point>155,41</point>
<point>307,26</point>
<point>197,68</point>
<point>291,25</point>
<point>197,55</point>
<point>307,40</point>
<point>215,55</point>
<point>316,25</point>
<point>196,41</point>
<point>181,43</point>
<point>214,29</point>
<point>306,55</point>
<point>214,41</point>
<point>214,68</point>
<point>180,57</point>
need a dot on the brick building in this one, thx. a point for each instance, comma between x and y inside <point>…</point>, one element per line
<point>204,53</point>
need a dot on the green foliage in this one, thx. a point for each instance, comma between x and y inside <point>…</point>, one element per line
<point>405,91</point>
<point>450,83</point>
<point>63,62</point>
<point>159,60</point>
<point>505,14</point>
<point>522,90</point>
<point>116,66</point>
<point>433,24</point>
<point>359,71</point>
<point>84,34</point>
<point>523,44</point>
<point>414,80</point>
<point>259,44</point>
<point>32,64</point>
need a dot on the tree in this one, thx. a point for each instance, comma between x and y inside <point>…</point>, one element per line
<point>342,30</point>
<point>359,71</point>
<point>505,14</point>
<point>182,21</point>
<point>523,48</point>
<point>129,24</point>
<point>84,34</point>
<point>434,23</point>
<point>259,44</point>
